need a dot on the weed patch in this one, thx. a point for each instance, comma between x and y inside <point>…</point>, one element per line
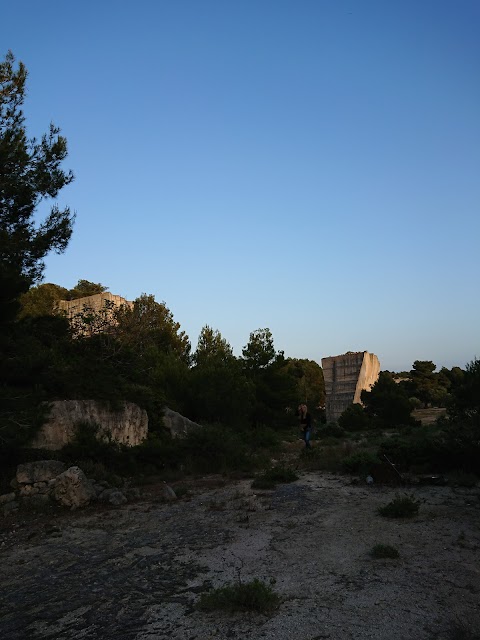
<point>384,551</point>
<point>405,506</point>
<point>255,596</point>
<point>324,458</point>
<point>273,476</point>
<point>360,462</point>
<point>332,429</point>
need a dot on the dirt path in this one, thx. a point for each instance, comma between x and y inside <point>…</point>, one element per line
<point>136,572</point>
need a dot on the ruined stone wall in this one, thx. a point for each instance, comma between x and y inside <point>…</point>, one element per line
<point>95,302</point>
<point>345,377</point>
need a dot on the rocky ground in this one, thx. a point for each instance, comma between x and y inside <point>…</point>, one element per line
<point>136,572</point>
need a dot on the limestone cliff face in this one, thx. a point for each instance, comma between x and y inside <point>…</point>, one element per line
<point>345,378</point>
<point>127,426</point>
<point>95,302</point>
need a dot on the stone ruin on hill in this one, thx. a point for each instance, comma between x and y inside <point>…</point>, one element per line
<point>346,376</point>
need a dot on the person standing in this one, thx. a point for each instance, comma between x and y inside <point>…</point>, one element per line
<point>305,424</point>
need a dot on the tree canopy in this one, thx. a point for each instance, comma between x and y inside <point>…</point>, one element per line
<point>30,172</point>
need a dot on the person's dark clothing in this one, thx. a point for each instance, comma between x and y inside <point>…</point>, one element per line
<point>306,426</point>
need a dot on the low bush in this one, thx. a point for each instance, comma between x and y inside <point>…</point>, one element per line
<point>260,438</point>
<point>354,418</point>
<point>332,430</point>
<point>328,458</point>
<point>360,462</point>
<point>273,476</point>
<point>405,506</point>
<point>255,596</point>
<point>281,474</point>
<point>423,449</point>
<point>384,551</point>
<point>215,450</point>
<point>90,447</point>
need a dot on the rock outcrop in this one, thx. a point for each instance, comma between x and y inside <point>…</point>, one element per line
<point>346,376</point>
<point>38,485</point>
<point>128,425</point>
<point>39,471</point>
<point>177,424</point>
<point>97,302</point>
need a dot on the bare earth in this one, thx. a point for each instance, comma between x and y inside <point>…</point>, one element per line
<point>136,571</point>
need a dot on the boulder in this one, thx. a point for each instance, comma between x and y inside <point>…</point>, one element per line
<point>73,489</point>
<point>39,471</point>
<point>177,424</point>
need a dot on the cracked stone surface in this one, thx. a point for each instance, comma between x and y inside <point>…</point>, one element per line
<point>136,572</point>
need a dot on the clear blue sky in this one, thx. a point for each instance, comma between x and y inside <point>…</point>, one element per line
<point>311,166</point>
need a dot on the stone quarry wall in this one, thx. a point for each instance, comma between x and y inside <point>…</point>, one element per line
<point>178,425</point>
<point>95,302</point>
<point>345,377</point>
<point>128,425</point>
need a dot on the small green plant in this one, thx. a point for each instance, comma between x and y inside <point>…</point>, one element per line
<point>272,476</point>
<point>354,418</point>
<point>385,551</point>
<point>325,458</point>
<point>405,506</point>
<point>360,462</point>
<point>255,596</point>
<point>281,474</point>
<point>182,491</point>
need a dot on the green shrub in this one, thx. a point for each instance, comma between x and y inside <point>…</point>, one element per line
<point>281,474</point>
<point>384,551</point>
<point>159,452</point>
<point>254,596</point>
<point>260,438</point>
<point>423,448</point>
<point>354,418</point>
<point>360,462</point>
<point>90,446</point>
<point>272,476</point>
<point>324,458</point>
<point>405,506</point>
<point>215,449</point>
<point>182,491</point>
<point>332,429</point>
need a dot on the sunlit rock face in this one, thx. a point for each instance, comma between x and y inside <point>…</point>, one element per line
<point>346,376</point>
<point>95,302</point>
<point>126,425</point>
